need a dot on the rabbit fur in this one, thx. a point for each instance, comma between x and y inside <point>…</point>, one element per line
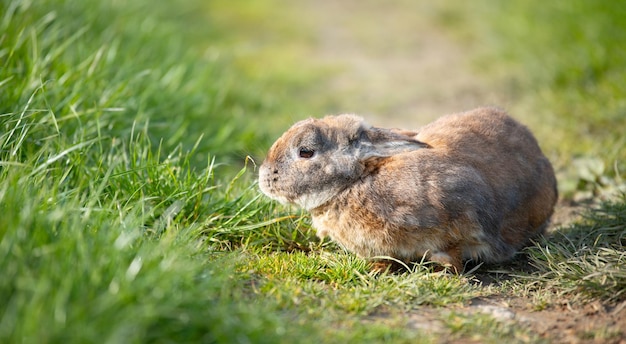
<point>471,185</point>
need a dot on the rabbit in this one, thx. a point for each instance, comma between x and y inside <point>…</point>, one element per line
<point>472,185</point>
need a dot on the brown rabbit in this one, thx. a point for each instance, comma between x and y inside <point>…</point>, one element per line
<point>469,185</point>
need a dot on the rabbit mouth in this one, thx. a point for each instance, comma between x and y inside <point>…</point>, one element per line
<point>306,201</point>
<point>269,189</point>
<point>267,181</point>
<point>281,199</point>
<point>267,184</point>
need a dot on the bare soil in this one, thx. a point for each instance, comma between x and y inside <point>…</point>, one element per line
<point>590,323</point>
<point>393,65</point>
<point>564,322</point>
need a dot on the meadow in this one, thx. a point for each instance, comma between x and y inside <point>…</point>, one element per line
<point>130,133</point>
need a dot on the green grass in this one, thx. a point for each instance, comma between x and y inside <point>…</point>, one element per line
<point>123,126</point>
<point>106,184</point>
<point>587,259</point>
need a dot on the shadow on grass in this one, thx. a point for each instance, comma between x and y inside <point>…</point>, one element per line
<point>586,259</point>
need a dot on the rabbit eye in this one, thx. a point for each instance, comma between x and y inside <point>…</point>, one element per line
<point>306,153</point>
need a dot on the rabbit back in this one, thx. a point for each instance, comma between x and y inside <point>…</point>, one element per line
<point>507,154</point>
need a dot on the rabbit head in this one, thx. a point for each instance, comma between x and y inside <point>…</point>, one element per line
<point>317,158</point>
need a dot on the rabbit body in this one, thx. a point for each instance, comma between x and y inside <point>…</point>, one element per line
<point>469,185</point>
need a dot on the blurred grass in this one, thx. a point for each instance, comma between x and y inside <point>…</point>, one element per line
<point>70,62</point>
<point>562,64</point>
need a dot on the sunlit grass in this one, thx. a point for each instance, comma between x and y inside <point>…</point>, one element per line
<point>106,182</point>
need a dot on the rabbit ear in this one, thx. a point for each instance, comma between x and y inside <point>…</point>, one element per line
<point>375,143</point>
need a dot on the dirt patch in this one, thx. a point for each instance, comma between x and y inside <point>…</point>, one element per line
<point>393,65</point>
<point>564,322</point>
<point>592,322</point>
